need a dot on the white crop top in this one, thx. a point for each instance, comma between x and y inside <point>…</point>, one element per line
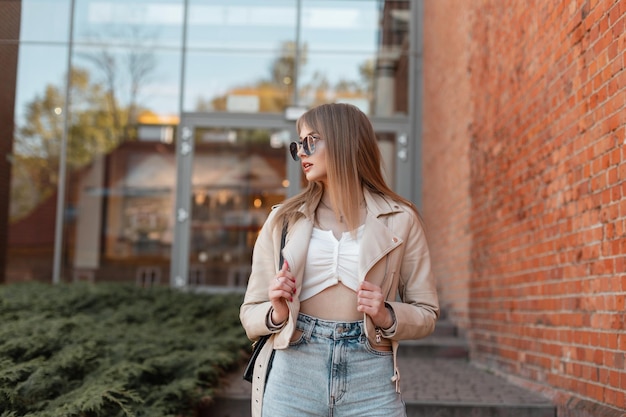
<point>330,261</point>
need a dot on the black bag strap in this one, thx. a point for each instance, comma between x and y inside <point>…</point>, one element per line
<point>282,244</point>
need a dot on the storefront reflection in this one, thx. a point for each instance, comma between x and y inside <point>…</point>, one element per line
<point>129,70</point>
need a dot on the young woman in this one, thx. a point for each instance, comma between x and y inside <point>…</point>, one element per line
<point>356,279</point>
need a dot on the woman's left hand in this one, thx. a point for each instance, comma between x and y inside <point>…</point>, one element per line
<point>370,301</point>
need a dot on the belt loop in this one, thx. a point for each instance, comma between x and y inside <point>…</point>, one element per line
<point>310,325</point>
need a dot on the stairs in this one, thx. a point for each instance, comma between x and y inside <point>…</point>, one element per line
<point>438,380</point>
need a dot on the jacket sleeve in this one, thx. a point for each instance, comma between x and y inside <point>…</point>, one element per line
<point>256,304</point>
<point>418,309</point>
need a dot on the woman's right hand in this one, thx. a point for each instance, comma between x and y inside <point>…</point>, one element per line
<point>282,288</point>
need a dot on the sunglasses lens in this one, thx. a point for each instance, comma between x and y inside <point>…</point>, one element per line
<point>309,145</point>
<point>293,150</point>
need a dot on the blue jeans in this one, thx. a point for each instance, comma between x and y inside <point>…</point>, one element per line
<point>331,370</point>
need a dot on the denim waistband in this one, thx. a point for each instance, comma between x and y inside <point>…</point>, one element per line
<point>334,330</point>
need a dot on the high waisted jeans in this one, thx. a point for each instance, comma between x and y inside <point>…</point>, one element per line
<point>331,370</point>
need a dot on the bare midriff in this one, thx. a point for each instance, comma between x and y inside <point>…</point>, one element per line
<point>336,303</point>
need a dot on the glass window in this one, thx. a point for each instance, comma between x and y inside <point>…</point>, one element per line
<point>350,78</point>
<point>238,82</point>
<point>119,224</point>
<point>149,23</point>
<point>39,121</point>
<point>355,51</point>
<point>242,55</point>
<point>333,25</point>
<point>45,20</point>
<point>241,24</point>
<point>121,163</point>
<point>33,84</point>
<point>142,84</point>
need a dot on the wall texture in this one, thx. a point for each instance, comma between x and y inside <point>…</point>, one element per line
<point>524,192</point>
<point>10,12</point>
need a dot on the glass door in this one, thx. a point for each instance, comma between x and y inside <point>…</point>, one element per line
<point>237,176</point>
<point>231,170</point>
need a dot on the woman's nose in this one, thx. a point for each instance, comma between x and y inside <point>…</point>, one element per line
<point>301,152</point>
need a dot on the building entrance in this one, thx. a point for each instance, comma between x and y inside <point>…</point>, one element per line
<point>231,169</point>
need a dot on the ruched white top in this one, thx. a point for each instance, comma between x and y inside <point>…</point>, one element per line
<point>330,261</point>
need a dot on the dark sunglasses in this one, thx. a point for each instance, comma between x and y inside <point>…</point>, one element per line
<point>308,144</point>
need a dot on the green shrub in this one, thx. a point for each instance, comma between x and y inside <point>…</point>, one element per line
<point>111,350</point>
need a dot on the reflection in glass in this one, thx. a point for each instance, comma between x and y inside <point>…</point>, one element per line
<point>135,84</point>
<point>350,79</point>
<point>237,177</point>
<point>241,55</point>
<point>239,82</point>
<point>241,24</point>
<point>39,118</point>
<point>334,25</point>
<point>120,225</point>
<point>45,21</point>
<point>355,52</point>
<point>149,23</point>
<point>125,84</point>
<point>387,146</point>
<point>121,163</point>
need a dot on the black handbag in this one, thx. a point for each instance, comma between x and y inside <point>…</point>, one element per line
<point>258,345</point>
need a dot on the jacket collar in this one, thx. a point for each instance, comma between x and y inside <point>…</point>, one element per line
<point>377,204</point>
<point>379,237</point>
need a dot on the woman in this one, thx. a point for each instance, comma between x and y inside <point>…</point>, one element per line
<point>355,280</point>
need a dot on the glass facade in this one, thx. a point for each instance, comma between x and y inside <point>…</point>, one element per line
<point>106,182</point>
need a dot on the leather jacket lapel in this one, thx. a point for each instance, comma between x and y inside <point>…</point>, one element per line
<point>378,240</point>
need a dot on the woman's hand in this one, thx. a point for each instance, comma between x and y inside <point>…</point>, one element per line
<point>282,288</point>
<point>370,301</point>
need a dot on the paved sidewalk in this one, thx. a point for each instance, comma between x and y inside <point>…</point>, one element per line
<point>434,381</point>
<point>456,381</point>
<point>437,380</point>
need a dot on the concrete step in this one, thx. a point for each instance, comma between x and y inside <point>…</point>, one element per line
<point>445,328</point>
<point>435,346</point>
<point>478,410</point>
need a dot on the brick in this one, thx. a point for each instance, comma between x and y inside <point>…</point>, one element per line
<point>547,218</point>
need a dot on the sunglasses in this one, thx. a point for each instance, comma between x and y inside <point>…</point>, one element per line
<point>308,144</point>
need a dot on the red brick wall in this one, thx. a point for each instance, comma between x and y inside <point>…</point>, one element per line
<point>447,119</point>
<point>527,99</point>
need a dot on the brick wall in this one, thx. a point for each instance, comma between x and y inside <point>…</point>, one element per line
<point>524,191</point>
<point>9,32</point>
<point>447,119</point>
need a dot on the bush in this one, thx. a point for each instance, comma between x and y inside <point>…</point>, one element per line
<point>109,350</point>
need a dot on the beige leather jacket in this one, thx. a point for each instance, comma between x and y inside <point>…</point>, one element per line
<point>394,255</point>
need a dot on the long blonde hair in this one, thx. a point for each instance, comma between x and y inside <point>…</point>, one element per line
<point>353,161</point>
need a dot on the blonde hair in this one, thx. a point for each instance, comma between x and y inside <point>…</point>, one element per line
<point>353,161</point>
